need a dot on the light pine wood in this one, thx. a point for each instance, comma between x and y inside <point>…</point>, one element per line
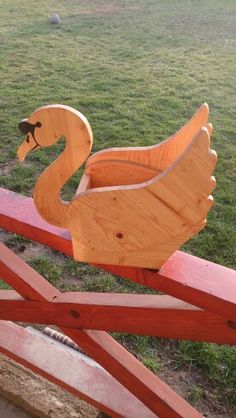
<point>85,184</point>
<point>160,156</point>
<point>143,225</point>
<point>139,164</point>
<point>155,199</point>
<point>57,121</point>
<point>123,173</point>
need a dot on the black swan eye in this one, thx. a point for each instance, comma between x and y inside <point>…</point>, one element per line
<point>27,138</point>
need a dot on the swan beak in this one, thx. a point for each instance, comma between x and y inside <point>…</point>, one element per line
<point>30,143</point>
<point>23,150</point>
<point>25,147</point>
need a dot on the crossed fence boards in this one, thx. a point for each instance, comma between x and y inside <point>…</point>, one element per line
<point>204,311</point>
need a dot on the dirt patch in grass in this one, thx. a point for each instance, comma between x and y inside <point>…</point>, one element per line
<point>191,383</point>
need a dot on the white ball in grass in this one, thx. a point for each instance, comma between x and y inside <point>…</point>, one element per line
<point>55,19</point>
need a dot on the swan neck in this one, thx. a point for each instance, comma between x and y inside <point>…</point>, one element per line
<point>47,191</point>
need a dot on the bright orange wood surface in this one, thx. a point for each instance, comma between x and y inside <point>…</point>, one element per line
<point>137,205</point>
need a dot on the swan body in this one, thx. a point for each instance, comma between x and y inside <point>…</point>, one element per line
<point>134,206</point>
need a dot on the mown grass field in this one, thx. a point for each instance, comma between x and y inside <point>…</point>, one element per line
<point>137,70</point>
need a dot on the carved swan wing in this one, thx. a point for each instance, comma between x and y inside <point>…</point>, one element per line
<point>143,224</point>
<point>120,166</point>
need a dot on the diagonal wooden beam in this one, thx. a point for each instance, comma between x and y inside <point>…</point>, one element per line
<point>21,277</point>
<point>147,387</point>
<point>160,316</point>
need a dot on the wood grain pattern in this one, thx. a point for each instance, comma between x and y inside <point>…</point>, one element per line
<point>143,225</point>
<point>192,279</point>
<point>134,207</point>
<point>85,184</point>
<point>118,173</point>
<point>57,121</point>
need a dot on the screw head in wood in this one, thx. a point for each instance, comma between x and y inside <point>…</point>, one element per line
<point>74,313</point>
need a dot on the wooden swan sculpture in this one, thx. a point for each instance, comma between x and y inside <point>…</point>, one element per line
<point>134,206</point>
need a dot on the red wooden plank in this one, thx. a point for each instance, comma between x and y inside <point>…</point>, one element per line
<point>197,281</point>
<point>161,316</point>
<point>10,295</point>
<point>21,277</point>
<point>70,370</point>
<point>154,393</point>
<point>18,214</point>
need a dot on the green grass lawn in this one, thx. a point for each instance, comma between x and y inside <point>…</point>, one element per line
<point>137,70</point>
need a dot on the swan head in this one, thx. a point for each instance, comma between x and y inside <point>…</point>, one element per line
<point>48,124</point>
<point>30,143</point>
<point>42,129</point>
